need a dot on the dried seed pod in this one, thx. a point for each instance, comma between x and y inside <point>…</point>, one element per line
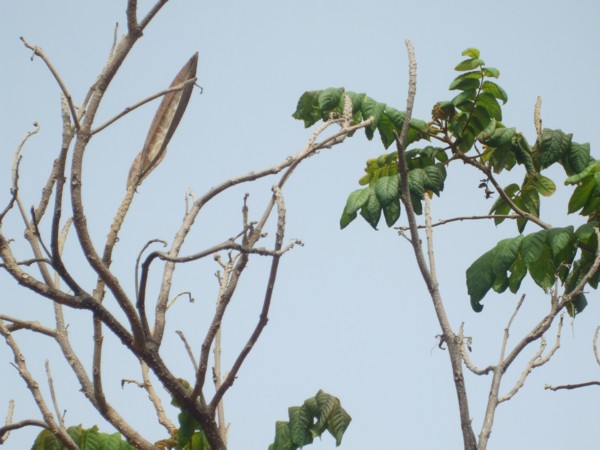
<point>163,125</point>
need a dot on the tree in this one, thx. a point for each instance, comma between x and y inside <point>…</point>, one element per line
<point>117,312</point>
<point>425,173</point>
<point>563,261</point>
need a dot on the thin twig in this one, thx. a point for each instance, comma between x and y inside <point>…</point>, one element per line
<point>188,349</point>
<point>38,51</point>
<point>462,218</point>
<point>32,385</point>
<point>59,414</point>
<point>264,315</point>
<point>572,386</point>
<point>9,417</point>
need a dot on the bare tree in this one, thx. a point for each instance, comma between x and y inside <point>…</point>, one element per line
<point>47,274</point>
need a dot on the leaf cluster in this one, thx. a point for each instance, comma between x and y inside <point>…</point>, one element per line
<point>469,128</point>
<point>86,439</point>
<point>318,414</point>
<point>546,255</point>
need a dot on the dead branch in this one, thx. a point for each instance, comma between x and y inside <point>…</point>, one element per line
<point>20,363</point>
<point>38,51</point>
<point>462,218</point>
<point>188,349</point>
<point>264,315</point>
<point>136,105</point>
<point>35,326</point>
<point>289,163</point>
<point>60,415</point>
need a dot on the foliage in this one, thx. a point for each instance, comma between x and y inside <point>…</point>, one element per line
<point>469,128</point>
<point>90,439</point>
<point>318,414</point>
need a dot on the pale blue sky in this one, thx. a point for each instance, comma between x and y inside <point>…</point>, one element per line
<point>350,313</point>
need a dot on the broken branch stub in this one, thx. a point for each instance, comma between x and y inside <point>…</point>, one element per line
<point>164,124</point>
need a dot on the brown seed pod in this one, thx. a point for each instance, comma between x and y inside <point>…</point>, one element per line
<point>163,125</point>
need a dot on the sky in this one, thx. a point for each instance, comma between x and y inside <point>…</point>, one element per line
<point>350,313</point>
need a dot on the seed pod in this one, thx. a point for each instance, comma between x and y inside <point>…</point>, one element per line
<point>163,125</point>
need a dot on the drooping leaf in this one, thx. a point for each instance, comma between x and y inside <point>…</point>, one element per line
<point>371,209</point>
<point>544,185</point>
<point>355,201</point>
<point>552,145</point>
<point>318,414</point>
<point>490,104</point>
<point>581,194</point>
<point>386,189</point>
<point>492,88</point>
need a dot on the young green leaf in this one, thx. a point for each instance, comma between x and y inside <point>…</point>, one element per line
<point>469,64</point>
<point>471,52</point>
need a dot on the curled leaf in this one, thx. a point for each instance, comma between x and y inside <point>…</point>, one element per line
<point>164,124</point>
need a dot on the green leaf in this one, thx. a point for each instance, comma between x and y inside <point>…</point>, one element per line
<point>495,90</point>
<point>464,97</point>
<point>505,253</point>
<point>464,84</point>
<point>578,157</point>
<point>523,153</point>
<point>480,278</point>
<point>434,178</point>
<point>386,189</point>
<point>501,136</point>
<point>491,72</point>
<point>488,131</point>
<point>355,201</point>
<point>330,98</point>
<point>283,437</point>
<point>469,64</point>
<point>489,102</point>
<point>552,145</point>
<point>371,210</point>
<point>308,109</point>
<point>581,194</point>
<point>392,213</point>
<point>518,270</point>
<point>300,422</point>
<point>590,169</point>
<point>544,185</point>
<point>471,52</point>
<point>371,108</point>
<point>542,270</point>
<point>416,182</point>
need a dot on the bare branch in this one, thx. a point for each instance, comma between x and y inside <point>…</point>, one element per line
<point>188,349</point>
<point>534,362</point>
<point>128,109</point>
<point>9,417</point>
<point>38,51</point>
<point>461,218</point>
<point>572,386</point>
<point>132,24</point>
<point>6,429</point>
<point>33,387</point>
<point>289,163</point>
<point>18,324</point>
<point>264,315</point>
<point>59,414</point>
<point>596,354</point>
<point>465,354</point>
